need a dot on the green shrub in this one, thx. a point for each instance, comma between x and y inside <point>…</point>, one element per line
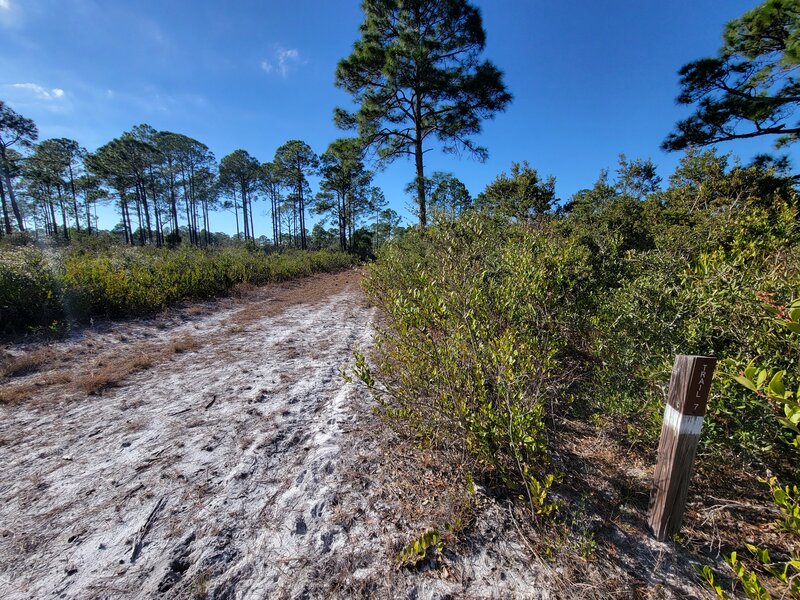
<point>491,323</point>
<point>131,281</point>
<point>764,569</point>
<point>672,304</point>
<point>114,280</point>
<point>30,293</point>
<point>478,317</point>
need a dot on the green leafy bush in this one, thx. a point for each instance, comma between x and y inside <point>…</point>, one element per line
<point>130,281</point>
<point>764,572</point>
<point>491,323</point>
<point>30,292</point>
<point>121,281</point>
<point>478,320</point>
<point>670,303</point>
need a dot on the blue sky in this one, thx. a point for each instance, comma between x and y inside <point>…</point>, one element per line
<point>590,79</point>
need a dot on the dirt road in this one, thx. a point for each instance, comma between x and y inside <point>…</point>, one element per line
<point>212,472</point>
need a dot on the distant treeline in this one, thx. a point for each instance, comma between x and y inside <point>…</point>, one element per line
<point>166,188</point>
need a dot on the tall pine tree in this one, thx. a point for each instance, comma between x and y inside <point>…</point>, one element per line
<point>416,73</point>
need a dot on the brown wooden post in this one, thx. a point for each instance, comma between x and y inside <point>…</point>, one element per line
<point>689,387</point>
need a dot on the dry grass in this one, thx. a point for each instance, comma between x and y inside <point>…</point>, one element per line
<point>105,360</point>
<point>25,364</point>
<point>55,378</point>
<point>111,368</point>
<point>197,309</point>
<point>187,344</point>
<point>16,394</point>
<point>273,300</point>
<point>104,375</point>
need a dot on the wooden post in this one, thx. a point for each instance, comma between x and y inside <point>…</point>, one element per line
<point>683,419</point>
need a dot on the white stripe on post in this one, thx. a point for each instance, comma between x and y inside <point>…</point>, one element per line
<point>682,424</point>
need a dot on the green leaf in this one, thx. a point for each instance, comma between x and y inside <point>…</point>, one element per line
<point>793,327</point>
<point>762,377</point>
<point>745,382</point>
<point>776,386</point>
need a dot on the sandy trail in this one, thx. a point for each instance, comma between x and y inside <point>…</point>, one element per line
<point>213,473</point>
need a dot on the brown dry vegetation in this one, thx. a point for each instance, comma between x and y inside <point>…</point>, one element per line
<point>187,344</point>
<point>113,368</point>
<point>25,364</point>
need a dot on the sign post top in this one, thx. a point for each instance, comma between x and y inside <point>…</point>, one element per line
<point>691,384</point>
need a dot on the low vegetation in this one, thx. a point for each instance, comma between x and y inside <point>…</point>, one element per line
<point>47,289</point>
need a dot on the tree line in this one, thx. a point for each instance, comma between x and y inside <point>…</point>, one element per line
<point>166,187</point>
<point>415,75</point>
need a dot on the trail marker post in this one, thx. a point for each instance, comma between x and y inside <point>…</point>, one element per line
<point>689,387</point>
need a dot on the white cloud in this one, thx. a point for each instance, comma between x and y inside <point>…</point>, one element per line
<point>10,14</point>
<point>38,91</point>
<point>283,61</point>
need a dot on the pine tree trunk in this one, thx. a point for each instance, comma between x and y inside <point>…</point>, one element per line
<point>173,205</point>
<point>48,227</point>
<point>139,217</point>
<point>276,226</point>
<point>145,206</point>
<point>63,212</point>
<point>236,212</point>
<point>194,222</point>
<point>88,212</point>
<point>156,210</point>
<point>280,225</point>
<point>52,213</point>
<point>188,216</point>
<point>421,205</point>
<point>12,196</point>
<point>244,211</point>
<point>158,222</point>
<point>6,220</point>
<point>74,199</point>
<point>342,221</point>
<point>302,214</point>
<point>252,227</point>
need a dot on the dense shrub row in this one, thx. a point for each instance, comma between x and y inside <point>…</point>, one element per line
<point>492,324</point>
<point>38,288</point>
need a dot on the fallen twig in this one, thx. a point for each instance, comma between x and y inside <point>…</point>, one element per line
<point>138,540</point>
